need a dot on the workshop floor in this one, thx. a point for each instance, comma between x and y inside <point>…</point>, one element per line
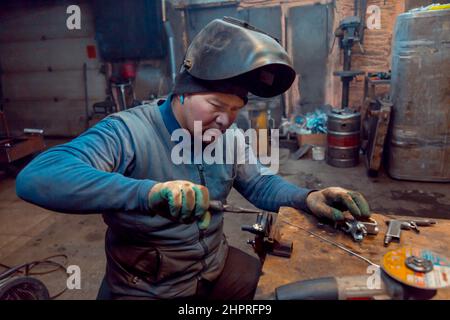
<point>30,233</point>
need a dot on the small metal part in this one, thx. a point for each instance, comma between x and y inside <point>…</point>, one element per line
<point>413,226</point>
<point>267,239</point>
<point>356,229</point>
<point>395,226</point>
<point>371,226</point>
<point>257,227</point>
<point>340,246</point>
<point>419,264</point>
<point>424,222</point>
<point>216,205</point>
<point>393,232</point>
<point>33,131</point>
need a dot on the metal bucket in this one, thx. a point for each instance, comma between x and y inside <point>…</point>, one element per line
<point>419,141</point>
<point>343,138</point>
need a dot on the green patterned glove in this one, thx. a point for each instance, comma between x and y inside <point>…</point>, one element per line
<point>332,203</point>
<point>181,201</point>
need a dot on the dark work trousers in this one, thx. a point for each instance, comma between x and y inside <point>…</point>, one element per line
<point>237,281</point>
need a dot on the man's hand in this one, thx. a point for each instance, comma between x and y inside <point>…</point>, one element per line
<point>183,201</point>
<point>332,202</point>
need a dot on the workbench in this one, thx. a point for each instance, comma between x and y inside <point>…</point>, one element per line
<point>314,258</point>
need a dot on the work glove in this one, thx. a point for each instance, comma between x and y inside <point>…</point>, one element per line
<point>181,201</point>
<point>338,204</point>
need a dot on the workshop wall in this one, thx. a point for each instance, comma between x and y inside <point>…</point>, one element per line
<point>315,77</point>
<point>42,67</point>
<point>304,28</point>
<point>42,62</point>
<point>377,47</point>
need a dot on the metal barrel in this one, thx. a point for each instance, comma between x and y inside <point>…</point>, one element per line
<point>419,139</point>
<point>343,138</point>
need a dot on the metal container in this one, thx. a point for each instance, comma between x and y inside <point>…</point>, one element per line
<point>419,139</point>
<point>343,138</point>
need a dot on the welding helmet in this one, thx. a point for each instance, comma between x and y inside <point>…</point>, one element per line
<point>229,55</point>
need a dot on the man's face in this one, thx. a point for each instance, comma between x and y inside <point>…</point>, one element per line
<point>214,110</point>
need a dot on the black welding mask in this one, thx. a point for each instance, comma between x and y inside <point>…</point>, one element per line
<point>231,56</point>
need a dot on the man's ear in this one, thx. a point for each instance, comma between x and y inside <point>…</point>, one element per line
<point>181,98</point>
<point>186,97</point>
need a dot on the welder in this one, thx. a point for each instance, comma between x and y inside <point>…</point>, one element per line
<point>162,242</point>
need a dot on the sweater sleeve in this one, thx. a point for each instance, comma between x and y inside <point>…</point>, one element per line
<point>86,175</point>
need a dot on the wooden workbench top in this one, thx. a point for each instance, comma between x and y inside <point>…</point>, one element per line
<point>314,258</point>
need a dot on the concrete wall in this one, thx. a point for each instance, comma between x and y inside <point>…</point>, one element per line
<point>42,68</point>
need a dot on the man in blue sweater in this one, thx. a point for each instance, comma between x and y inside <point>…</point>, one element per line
<point>162,242</point>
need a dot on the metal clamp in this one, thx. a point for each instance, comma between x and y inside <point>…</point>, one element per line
<point>356,229</point>
<point>359,229</point>
<point>267,239</point>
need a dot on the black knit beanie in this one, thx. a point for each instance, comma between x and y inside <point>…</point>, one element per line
<point>186,83</point>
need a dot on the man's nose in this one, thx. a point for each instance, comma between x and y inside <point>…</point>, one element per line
<point>223,120</point>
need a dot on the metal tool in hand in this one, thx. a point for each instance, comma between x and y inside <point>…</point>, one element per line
<point>396,226</point>
<point>216,205</point>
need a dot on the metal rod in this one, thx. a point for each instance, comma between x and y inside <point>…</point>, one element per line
<point>171,39</point>
<point>122,94</point>
<point>331,242</point>
<point>363,21</point>
<point>345,93</point>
